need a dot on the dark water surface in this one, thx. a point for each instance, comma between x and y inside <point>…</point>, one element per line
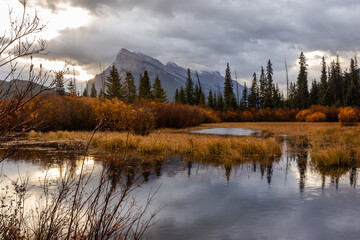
<point>281,199</point>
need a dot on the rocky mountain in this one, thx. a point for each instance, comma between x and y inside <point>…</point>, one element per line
<point>8,89</point>
<point>171,75</point>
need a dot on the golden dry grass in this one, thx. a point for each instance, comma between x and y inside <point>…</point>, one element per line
<point>168,142</point>
<point>324,139</point>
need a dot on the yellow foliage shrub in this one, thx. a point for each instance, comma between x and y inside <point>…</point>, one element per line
<point>316,117</point>
<point>301,116</point>
<point>347,116</point>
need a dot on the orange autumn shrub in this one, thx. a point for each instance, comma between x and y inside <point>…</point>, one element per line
<point>247,116</point>
<point>211,116</point>
<point>347,116</point>
<point>171,115</point>
<point>301,116</point>
<point>316,117</point>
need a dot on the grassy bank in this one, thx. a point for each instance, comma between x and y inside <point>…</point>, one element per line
<point>171,142</point>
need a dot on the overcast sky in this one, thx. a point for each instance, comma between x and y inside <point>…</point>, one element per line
<point>200,34</point>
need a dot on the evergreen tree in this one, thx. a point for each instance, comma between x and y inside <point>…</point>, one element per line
<point>129,88</point>
<point>220,105</point>
<point>158,93</point>
<point>229,96</point>
<point>85,92</point>
<point>144,86</point>
<point>176,98</point>
<point>352,96</point>
<point>253,96</point>
<point>182,96</point>
<point>314,93</point>
<point>113,85</point>
<point>268,98</point>
<point>72,87</point>
<point>323,87</point>
<point>59,83</point>
<point>189,89</point>
<point>336,84</point>
<point>93,92</point>
<point>302,83</point>
<point>202,98</point>
<point>244,98</point>
<point>262,88</point>
<point>210,100</point>
<point>292,99</point>
<point>277,97</point>
<point>197,95</point>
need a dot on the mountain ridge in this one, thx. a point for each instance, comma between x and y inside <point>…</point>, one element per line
<point>172,76</point>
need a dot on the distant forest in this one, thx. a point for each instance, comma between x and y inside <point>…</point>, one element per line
<point>335,88</point>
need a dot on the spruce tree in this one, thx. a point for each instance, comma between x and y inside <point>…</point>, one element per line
<point>314,93</point>
<point>323,86</point>
<point>268,98</point>
<point>253,96</point>
<point>197,95</point>
<point>202,98</point>
<point>302,83</point>
<point>336,84</point>
<point>220,104</point>
<point>229,96</point>
<point>71,87</point>
<point>262,88</point>
<point>176,97</point>
<point>144,86</point>
<point>158,93</point>
<point>85,92</point>
<point>59,83</point>
<point>182,96</point>
<point>113,85</point>
<point>244,98</point>
<point>210,100</point>
<point>352,93</point>
<point>189,89</point>
<point>277,97</point>
<point>93,92</point>
<point>129,88</point>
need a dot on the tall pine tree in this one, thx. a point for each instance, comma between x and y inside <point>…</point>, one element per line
<point>113,84</point>
<point>93,92</point>
<point>129,88</point>
<point>323,86</point>
<point>302,83</point>
<point>253,96</point>
<point>158,93</point>
<point>229,96</point>
<point>144,86</point>
<point>189,89</point>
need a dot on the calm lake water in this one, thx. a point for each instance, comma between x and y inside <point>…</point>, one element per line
<point>227,131</point>
<point>281,199</point>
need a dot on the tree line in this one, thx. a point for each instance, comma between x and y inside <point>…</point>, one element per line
<point>335,88</point>
<point>125,91</point>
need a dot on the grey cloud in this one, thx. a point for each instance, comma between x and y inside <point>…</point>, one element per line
<point>206,34</point>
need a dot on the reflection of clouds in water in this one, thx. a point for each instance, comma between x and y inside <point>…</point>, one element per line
<point>59,171</point>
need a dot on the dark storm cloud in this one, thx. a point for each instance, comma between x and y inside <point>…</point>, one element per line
<point>208,33</point>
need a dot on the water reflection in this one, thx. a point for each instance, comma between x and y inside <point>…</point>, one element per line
<point>227,131</point>
<point>214,201</point>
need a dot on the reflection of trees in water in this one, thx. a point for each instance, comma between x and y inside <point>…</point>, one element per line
<point>189,166</point>
<point>353,176</point>
<point>302,161</point>
<point>228,168</point>
<point>146,170</point>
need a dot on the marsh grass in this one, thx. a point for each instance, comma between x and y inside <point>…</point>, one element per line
<point>166,142</point>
